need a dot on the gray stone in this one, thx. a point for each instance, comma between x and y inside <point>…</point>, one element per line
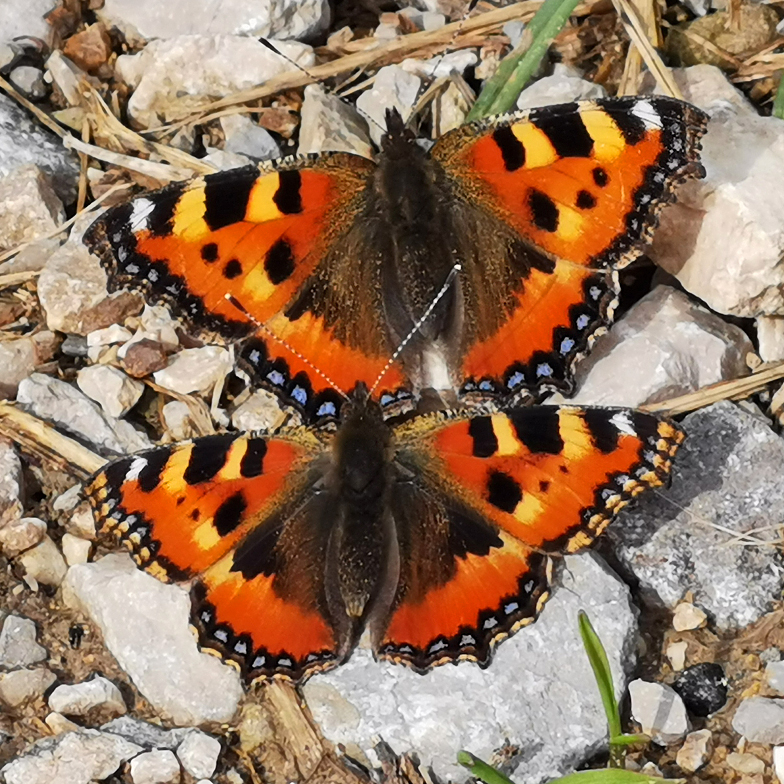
<point>282,19</point>
<point>29,80</point>
<point>728,479</point>
<point>760,720</point>
<point>29,207</point>
<point>538,692</point>
<point>18,359</point>
<point>774,672</point>
<point>21,535</point>
<point>665,346</point>
<point>149,736</point>
<point>71,758</point>
<point>261,411</point>
<point>172,77</point>
<point>25,18</point>
<point>565,84</point>
<point>18,647</point>
<point>23,142</point>
<point>58,402</point>
<point>78,699</point>
<point>195,370</point>
<point>659,710</point>
<point>696,751</point>
<point>10,484</point>
<point>330,124</point>
<point>116,392</point>
<point>145,625</point>
<point>22,686</point>
<point>245,137</point>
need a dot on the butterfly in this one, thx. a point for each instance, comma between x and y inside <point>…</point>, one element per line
<point>325,264</point>
<point>435,533</point>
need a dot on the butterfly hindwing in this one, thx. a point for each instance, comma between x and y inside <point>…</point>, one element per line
<point>580,186</point>
<point>234,512</point>
<point>497,496</point>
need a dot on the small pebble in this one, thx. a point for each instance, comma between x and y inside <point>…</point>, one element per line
<point>676,653</point>
<point>745,763</point>
<point>659,710</point>
<point>696,751</point>
<point>44,563</point>
<point>18,647</point>
<point>78,699</point>
<point>29,80</point>
<point>760,720</point>
<point>23,686</point>
<point>688,616</point>
<point>703,688</point>
<point>195,370</point>
<point>58,724</point>
<point>155,767</point>
<point>199,754</point>
<point>75,549</point>
<point>21,535</point>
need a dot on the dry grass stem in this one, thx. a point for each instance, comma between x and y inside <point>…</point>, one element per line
<point>44,118</point>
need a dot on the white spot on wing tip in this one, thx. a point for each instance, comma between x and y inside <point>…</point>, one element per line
<point>137,466</point>
<point>623,423</point>
<point>644,111</point>
<point>140,213</point>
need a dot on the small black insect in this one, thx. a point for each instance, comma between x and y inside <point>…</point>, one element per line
<point>75,635</point>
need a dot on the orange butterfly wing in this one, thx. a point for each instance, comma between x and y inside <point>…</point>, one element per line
<point>497,495</point>
<point>248,246</point>
<point>226,510</point>
<point>582,185</point>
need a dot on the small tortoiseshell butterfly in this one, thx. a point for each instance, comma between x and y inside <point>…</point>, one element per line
<point>434,534</point>
<point>338,257</point>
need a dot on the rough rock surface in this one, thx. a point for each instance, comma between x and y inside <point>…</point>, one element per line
<point>565,84</point>
<point>538,693</point>
<point>112,389</point>
<point>21,686</point>
<point>265,18</point>
<point>10,484</point>
<point>176,74</point>
<point>145,626</point>
<point>63,404</point>
<point>29,207</point>
<point>393,88</point>
<point>18,647</point>
<point>72,758</point>
<point>78,699</point>
<point>679,541</point>
<point>760,720</point>
<point>659,711</point>
<point>195,370</point>
<point>23,141</point>
<point>665,346</point>
<point>25,18</point>
<point>328,123</point>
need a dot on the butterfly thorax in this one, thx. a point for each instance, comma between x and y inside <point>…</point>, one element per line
<point>362,532</point>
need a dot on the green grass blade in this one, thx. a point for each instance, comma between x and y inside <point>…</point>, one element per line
<point>601,670</point>
<point>628,739</point>
<point>613,776</point>
<point>778,103</point>
<point>481,770</point>
<point>502,91</point>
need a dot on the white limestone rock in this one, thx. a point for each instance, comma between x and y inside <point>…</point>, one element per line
<point>145,19</point>
<point>44,563</point>
<point>393,88</point>
<point>175,75</point>
<point>25,18</point>
<point>63,404</point>
<point>538,693</point>
<point>18,647</point>
<point>78,699</point>
<point>71,758</point>
<point>29,207</point>
<point>687,616</point>
<point>21,535</point>
<point>199,754</point>
<point>195,370</point>
<point>665,346</point>
<point>19,687</point>
<point>676,654</point>
<point>659,710</point>
<point>760,720</point>
<point>245,137</point>
<point>564,85</point>
<point>11,487</point>
<point>724,239</point>
<point>260,411</point>
<point>696,751</point>
<point>155,767</point>
<point>116,392</point>
<point>329,124</point>
<point>29,80</point>
<point>145,625</point>
<point>75,549</point>
<point>58,724</point>
<point>19,358</point>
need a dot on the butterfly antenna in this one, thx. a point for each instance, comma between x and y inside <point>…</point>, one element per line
<point>241,308</point>
<point>422,319</point>
<point>266,42</point>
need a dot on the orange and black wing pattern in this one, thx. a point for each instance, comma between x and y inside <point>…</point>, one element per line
<point>496,496</point>
<point>243,253</point>
<point>580,186</point>
<point>233,513</point>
